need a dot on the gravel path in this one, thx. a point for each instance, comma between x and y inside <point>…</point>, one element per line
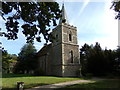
<point>63,84</point>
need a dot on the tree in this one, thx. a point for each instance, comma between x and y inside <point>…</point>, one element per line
<point>109,57</point>
<point>97,61</point>
<point>117,60</point>
<point>37,18</point>
<point>27,61</point>
<point>8,61</point>
<point>116,8</point>
<point>84,54</point>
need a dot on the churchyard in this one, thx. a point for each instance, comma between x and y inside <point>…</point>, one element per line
<point>9,81</point>
<point>63,56</point>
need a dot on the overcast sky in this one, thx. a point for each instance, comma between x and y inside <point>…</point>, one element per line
<point>94,21</point>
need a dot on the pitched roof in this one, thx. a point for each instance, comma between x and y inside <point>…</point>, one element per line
<point>44,50</point>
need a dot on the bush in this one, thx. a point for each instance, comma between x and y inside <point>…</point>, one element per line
<point>39,72</point>
<point>89,75</point>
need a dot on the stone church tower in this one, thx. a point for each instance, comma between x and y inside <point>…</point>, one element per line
<point>62,57</point>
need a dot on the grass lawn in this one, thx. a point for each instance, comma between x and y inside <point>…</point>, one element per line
<point>9,81</point>
<point>98,84</point>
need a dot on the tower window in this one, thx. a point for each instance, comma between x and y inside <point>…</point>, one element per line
<point>70,37</point>
<point>71,56</point>
<point>56,38</point>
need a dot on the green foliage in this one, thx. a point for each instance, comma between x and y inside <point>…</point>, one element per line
<point>8,61</point>
<point>89,75</point>
<point>117,60</point>
<point>26,59</point>
<point>116,8</point>
<point>38,17</point>
<point>97,61</point>
<point>39,72</point>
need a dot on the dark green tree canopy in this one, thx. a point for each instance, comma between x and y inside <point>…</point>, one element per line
<point>26,59</point>
<point>97,61</point>
<point>116,8</point>
<point>38,17</point>
<point>26,50</point>
<point>8,61</point>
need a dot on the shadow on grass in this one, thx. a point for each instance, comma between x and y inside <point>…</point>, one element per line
<point>103,84</point>
<point>25,86</point>
<point>35,85</point>
<point>26,75</point>
<point>15,75</point>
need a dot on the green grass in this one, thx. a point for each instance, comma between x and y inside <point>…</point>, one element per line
<point>9,81</point>
<point>97,84</point>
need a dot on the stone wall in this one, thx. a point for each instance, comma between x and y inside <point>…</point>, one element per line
<point>71,70</point>
<point>58,61</point>
<point>66,30</point>
<point>66,53</point>
<point>57,52</point>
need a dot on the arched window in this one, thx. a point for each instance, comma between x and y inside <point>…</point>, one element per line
<point>70,37</point>
<point>71,56</point>
<point>56,38</point>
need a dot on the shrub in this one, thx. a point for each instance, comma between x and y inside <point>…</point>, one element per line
<point>89,75</point>
<point>38,72</point>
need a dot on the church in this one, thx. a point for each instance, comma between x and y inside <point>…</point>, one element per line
<point>61,57</point>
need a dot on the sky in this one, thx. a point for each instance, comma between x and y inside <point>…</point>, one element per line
<point>95,22</point>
